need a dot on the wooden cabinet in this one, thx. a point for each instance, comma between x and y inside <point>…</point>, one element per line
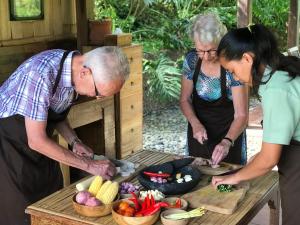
<point>130,103</point>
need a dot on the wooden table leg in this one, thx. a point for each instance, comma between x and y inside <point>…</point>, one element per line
<point>64,168</point>
<point>274,205</point>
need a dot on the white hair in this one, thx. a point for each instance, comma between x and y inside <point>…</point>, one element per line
<point>208,29</point>
<point>107,63</point>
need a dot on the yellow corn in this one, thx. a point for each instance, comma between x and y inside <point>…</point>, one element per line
<point>102,190</point>
<point>95,185</point>
<point>110,194</point>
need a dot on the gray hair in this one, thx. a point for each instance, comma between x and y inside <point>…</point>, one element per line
<point>208,29</point>
<point>107,63</point>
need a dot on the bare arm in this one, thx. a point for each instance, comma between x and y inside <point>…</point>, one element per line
<point>39,141</point>
<point>263,162</point>
<point>188,111</point>
<point>66,131</point>
<point>70,136</point>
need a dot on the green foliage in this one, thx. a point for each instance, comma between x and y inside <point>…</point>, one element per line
<point>163,78</point>
<point>27,8</point>
<point>273,14</point>
<point>163,26</point>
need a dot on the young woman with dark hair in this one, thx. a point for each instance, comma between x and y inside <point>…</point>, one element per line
<point>252,55</point>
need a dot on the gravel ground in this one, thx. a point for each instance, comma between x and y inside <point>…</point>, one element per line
<point>165,131</point>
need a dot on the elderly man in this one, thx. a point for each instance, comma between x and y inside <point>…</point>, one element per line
<point>34,100</point>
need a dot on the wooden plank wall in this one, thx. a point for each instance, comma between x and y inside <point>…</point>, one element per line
<point>59,22</point>
<point>21,39</point>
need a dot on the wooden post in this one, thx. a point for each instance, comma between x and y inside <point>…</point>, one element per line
<point>244,12</point>
<point>82,24</point>
<point>293,27</point>
<point>64,168</point>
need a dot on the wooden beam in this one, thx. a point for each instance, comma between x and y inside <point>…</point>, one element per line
<point>82,24</point>
<point>244,13</point>
<point>293,27</point>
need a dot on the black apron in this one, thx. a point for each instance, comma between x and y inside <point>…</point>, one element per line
<point>289,183</point>
<point>216,116</point>
<point>26,176</point>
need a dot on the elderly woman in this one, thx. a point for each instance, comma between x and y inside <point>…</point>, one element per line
<point>214,104</point>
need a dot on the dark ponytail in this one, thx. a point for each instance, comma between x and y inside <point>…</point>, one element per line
<point>260,41</point>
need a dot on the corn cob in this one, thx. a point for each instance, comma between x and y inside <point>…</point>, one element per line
<point>110,194</point>
<point>102,190</point>
<point>95,185</point>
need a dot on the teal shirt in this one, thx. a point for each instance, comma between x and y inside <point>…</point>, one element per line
<point>281,107</point>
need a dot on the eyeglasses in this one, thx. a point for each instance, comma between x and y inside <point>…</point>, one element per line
<point>98,95</point>
<point>210,52</point>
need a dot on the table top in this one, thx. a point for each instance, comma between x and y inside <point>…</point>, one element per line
<point>59,204</point>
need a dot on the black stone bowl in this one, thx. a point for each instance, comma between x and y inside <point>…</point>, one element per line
<point>171,187</point>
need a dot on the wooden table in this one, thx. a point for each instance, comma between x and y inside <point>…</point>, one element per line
<point>56,209</point>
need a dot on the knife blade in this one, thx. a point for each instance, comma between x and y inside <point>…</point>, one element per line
<point>230,172</point>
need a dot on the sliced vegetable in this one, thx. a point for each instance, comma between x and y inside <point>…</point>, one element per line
<point>152,174</point>
<point>194,213</point>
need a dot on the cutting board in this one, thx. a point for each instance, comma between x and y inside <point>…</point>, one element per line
<point>213,200</point>
<point>224,167</point>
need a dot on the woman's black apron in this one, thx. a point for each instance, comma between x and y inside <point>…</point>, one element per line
<point>216,116</point>
<point>289,183</point>
<point>26,176</point>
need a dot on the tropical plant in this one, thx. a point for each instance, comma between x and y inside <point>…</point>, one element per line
<point>162,77</point>
<point>273,14</point>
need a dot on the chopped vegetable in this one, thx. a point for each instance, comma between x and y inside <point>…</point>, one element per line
<point>156,194</point>
<point>224,188</point>
<point>194,213</point>
<point>127,188</point>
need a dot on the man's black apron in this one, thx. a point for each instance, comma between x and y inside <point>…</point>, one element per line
<point>216,116</point>
<point>289,183</point>
<point>26,176</point>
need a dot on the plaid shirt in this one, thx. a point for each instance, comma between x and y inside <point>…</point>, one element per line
<point>28,91</point>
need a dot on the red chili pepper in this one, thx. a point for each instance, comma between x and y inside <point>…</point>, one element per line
<point>152,174</point>
<point>148,203</point>
<point>154,208</point>
<point>178,203</point>
<point>135,200</point>
<point>152,200</point>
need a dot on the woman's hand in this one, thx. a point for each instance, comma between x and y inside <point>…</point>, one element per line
<point>104,168</point>
<point>199,133</point>
<point>220,152</point>
<point>82,150</point>
<point>229,179</point>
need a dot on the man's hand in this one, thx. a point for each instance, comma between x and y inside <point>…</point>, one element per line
<point>104,168</point>
<point>220,152</point>
<point>199,133</point>
<point>82,150</point>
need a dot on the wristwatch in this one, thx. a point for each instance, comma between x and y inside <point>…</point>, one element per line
<point>230,140</point>
<point>74,141</point>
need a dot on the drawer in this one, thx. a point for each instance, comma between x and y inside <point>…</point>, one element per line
<point>131,108</point>
<point>131,139</point>
<point>132,85</point>
<point>135,56</point>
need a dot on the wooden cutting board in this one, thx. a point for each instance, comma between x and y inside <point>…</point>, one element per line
<point>220,202</point>
<point>224,167</point>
